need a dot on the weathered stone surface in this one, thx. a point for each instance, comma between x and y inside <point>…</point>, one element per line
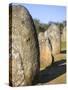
<point>24,48</point>
<point>45,50</point>
<point>54,36</point>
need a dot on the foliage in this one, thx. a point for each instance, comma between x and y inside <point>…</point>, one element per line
<point>41,27</point>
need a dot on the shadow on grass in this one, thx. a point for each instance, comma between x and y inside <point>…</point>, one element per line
<point>63,51</point>
<point>52,72</point>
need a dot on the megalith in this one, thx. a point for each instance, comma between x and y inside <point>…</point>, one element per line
<point>23,47</point>
<point>54,36</point>
<point>63,35</point>
<point>45,50</point>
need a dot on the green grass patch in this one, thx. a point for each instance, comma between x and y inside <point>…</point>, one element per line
<point>63,45</point>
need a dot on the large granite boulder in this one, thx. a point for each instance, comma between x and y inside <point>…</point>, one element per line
<point>23,47</point>
<point>54,36</point>
<point>45,50</point>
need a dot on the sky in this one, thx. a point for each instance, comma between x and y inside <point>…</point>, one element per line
<point>47,13</point>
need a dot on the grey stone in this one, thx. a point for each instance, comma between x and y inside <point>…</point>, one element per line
<point>63,35</point>
<point>45,50</point>
<point>23,47</point>
<point>54,36</point>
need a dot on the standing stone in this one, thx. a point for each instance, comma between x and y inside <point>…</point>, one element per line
<point>63,35</point>
<point>23,47</point>
<point>54,36</point>
<point>45,50</point>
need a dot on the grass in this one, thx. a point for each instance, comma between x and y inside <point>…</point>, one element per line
<point>63,45</point>
<point>42,66</point>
